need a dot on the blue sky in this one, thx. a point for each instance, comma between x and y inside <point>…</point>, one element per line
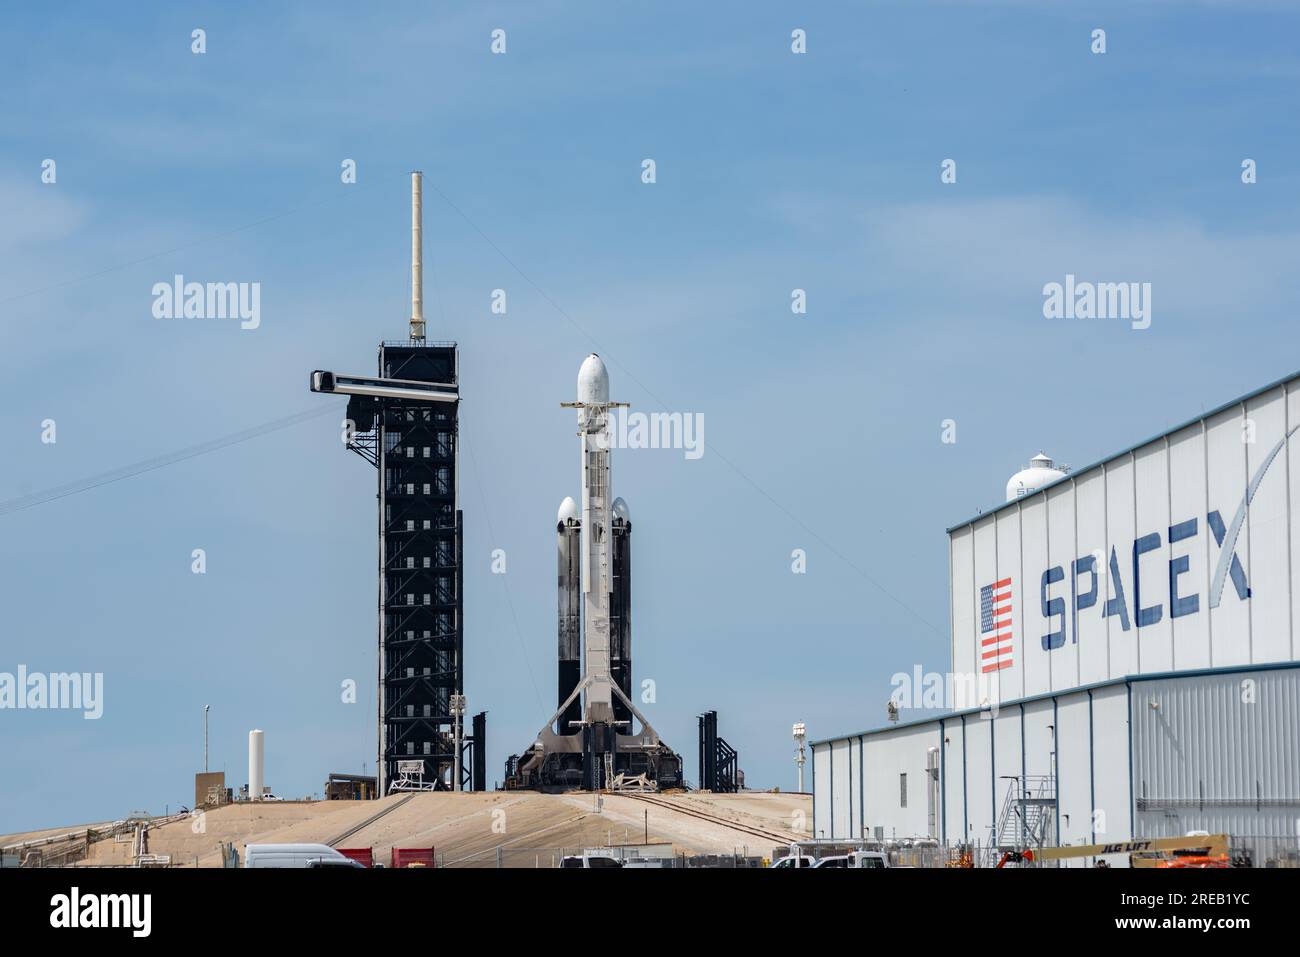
<point>774,172</point>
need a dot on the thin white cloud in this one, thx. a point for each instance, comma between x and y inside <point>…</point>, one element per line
<point>35,213</point>
<point>1000,252</point>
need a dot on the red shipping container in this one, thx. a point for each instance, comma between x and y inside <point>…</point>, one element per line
<point>413,856</point>
<point>365,856</point>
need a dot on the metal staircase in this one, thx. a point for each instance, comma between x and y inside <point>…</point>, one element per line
<point>1028,815</point>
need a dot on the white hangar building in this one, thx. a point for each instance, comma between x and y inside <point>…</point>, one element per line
<point>1124,656</point>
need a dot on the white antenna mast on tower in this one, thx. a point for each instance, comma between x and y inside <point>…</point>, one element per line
<point>417,257</point>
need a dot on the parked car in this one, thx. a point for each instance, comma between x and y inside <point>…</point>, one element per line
<point>855,859</point>
<point>792,861</point>
<point>589,860</point>
<point>869,859</point>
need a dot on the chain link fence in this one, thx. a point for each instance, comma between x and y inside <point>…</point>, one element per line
<point>1243,850</point>
<point>552,857</point>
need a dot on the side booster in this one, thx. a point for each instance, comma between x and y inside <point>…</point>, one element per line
<point>591,741</point>
<point>620,609</point>
<point>568,534</point>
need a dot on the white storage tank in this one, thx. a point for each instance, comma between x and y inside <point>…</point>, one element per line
<point>1040,471</point>
<point>256,764</point>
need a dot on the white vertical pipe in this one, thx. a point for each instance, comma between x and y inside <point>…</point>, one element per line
<point>417,256</point>
<point>256,764</point>
<point>932,791</point>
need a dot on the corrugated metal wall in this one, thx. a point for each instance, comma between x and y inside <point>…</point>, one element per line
<point>1112,810</point>
<point>1214,751</point>
<point>1080,738</point>
<point>1218,752</point>
<point>886,758</point>
<point>819,757</point>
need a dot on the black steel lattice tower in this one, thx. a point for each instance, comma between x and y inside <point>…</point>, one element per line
<point>421,637</point>
<point>718,770</point>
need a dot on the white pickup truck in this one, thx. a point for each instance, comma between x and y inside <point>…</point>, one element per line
<point>856,859</point>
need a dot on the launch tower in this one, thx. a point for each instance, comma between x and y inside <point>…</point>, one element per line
<point>405,423</point>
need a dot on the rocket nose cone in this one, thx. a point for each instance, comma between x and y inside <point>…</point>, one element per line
<point>620,510</point>
<point>568,511</point>
<point>593,380</point>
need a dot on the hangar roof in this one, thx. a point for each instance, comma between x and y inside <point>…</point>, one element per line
<point>1132,448</point>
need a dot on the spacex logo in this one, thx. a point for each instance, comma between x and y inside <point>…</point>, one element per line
<point>1131,582</point>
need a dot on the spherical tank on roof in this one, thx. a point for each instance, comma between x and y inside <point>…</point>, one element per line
<point>593,381</point>
<point>1041,471</point>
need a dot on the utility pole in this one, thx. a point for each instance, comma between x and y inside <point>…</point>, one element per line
<point>800,733</point>
<point>205,737</point>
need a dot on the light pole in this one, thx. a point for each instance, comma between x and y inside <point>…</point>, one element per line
<point>205,737</point>
<point>800,733</point>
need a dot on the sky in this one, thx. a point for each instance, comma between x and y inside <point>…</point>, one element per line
<point>775,171</point>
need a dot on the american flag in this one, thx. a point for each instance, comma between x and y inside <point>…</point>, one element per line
<point>995,626</point>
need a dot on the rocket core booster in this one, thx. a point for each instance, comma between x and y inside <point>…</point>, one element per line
<point>597,535</point>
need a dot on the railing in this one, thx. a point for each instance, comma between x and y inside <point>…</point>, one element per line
<point>1028,814</point>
